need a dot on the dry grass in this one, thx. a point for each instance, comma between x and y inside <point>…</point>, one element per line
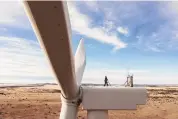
<point>44,103</point>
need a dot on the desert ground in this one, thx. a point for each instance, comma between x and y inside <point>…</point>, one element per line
<point>43,102</point>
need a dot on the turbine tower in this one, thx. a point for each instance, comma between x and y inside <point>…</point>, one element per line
<point>51,24</point>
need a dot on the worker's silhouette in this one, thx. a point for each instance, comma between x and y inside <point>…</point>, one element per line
<point>106,81</point>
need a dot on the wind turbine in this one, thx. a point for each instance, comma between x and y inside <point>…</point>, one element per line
<point>50,22</point>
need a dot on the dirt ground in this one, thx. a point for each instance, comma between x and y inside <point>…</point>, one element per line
<point>44,103</point>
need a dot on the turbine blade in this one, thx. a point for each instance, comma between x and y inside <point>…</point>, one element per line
<point>80,61</point>
<point>51,24</point>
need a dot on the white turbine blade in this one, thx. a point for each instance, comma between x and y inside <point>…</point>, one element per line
<point>80,61</point>
<point>50,22</point>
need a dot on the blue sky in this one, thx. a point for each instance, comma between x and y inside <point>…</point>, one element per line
<point>140,36</point>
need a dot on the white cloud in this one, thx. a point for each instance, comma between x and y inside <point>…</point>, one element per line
<point>108,26</point>
<point>81,23</point>
<point>161,18</point>
<point>173,6</point>
<point>92,5</point>
<point>22,61</point>
<point>21,57</point>
<point>3,29</point>
<point>123,30</point>
<point>12,14</point>
<point>155,49</point>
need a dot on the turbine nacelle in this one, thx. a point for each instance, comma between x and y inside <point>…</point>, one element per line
<point>113,98</point>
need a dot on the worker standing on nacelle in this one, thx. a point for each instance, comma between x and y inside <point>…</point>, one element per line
<point>131,81</point>
<point>106,81</point>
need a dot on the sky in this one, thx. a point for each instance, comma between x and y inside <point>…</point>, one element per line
<point>139,37</point>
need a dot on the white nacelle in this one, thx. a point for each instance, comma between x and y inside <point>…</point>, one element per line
<point>110,98</point>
